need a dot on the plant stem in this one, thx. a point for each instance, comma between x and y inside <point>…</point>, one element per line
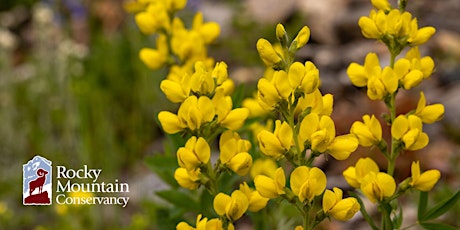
<point>391,105</point>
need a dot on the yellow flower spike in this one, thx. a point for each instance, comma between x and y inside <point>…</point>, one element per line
<point>359,74</point>
<point>306,183</point>
<point>377,186</point>
<point>194,153</point>
<point>271,187</point>
<point>187,179</point>
<point>368,132</point>
<point>302,37</point>
<point>281,85</point>
<point>338,208</point>
<point>170,122</point>
<point>263,166</point>
<point>342,146</point>
<point>354,175</point>
<point>256,201</point>
<point>232,207</point>
<point>425,181</point>
<point>267,94</point>
<point>381,5</point>
<point>267,53</point>
<point>428,113</point>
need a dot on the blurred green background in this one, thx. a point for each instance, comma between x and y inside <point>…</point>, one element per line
<point>73,90</point>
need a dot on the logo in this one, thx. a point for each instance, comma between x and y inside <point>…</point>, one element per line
<point>37,182</point>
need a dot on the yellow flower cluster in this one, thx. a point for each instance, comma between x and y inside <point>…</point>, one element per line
<point>397,29</point>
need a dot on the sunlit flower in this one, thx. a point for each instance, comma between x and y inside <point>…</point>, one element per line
<point>338,208</point>
<point>306,183</point>
<point>256,201</point>
<point>355,175</point>
<point>368,132</point>
<point>187,179</point>
<point>409,130</point>
<point>277,143</point>
<point>232,207</point>
<point>271,187</point>
<point>428,113</point>
<point>263,166</point>
<point>234,153</point>
<point>267,53</point>
<point>377,186</point>
<point>195,153</point>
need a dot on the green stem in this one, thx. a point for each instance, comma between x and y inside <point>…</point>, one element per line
<point>391,105</point>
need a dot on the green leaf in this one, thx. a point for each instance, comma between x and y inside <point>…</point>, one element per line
<point>442,207</point>
<point>179,199</point>
<point>364,212</point>
<point>437,226</point>
<point>164,167</point>
<point>422,203</point>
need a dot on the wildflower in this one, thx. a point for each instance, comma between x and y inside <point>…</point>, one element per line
<point>281,34</point>
<point>319,132</point>
<point>263,166</point>
<point>408,77</point>
<point>201,81</point>
<point>154,18</point>
<point>271,187</point>
<point>155,59</point>
<point>359,74</point>
<point>428,113</point>
<point>377,186</point>
<point>192,113</point>
<point>409,130</point>
<point>232,207</point>
<point>209,31</point>
<point>267,53</point>
<point>256,201</point>
<point>424,64</point>
<point>382,83</point>
<point>254,107</point>
<point>306,183</point>
<point>176,90</point>
<point>381,5</point>
<point>368,132</point>
<point>319,104</point>
<point>227,117</point>
<point>355,175</point>
<point>302,37</point>
<point>277,143</point>
<point>201,224</point>
<point>187,179</point>
<point>335,206</point>
<point>195,153</point>
<point>425,181</point>
<point>233,153</point>
<point>304,77</point>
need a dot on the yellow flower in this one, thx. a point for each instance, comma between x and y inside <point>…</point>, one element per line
<point>319,104</point>
<point>226,117</point>
<point>170,122</point>
<point>201,81</point>
<point>281,33</point>
<point>282,86</point>
<point>254,107</point>
<point>187,179</point>
<point>195,153</point>
<point>263,166</point>
<point>302,37</point>
<point>408,77</point>
<point>424,64</point>
<point>234,153</point>
<point>425,181</point>
<point>176,92</point>
<point>155,58</point>
<point>267,53</point>
<point>382,83</point>
<point>409,130</point>
<point>335,206</point>
<point>319,132</point>
<point>306,183</point>
<point>419,36</point>
<point>428,113</point>
<point>209,31</point>
<point>202,224</point>
<point>154,18</point>
<point>271,187</point>
<point>267,94</point>
<point>277,143</point>
<point>377,186</point>
<point>175,5</point>
<point>368,132</point>
<point>304,77</point>
<point>354,175</point>
<point>359,74</point>
<point>232,207</point>
<point>381,4</point>
<point>256,201</point>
